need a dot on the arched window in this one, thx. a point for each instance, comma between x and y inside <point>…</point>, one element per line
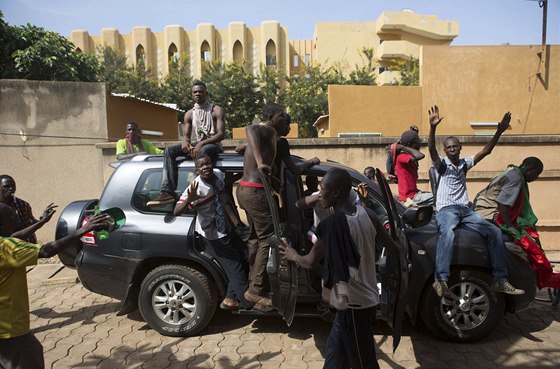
<point>205,52</point>
<point>172,53</point>
<point>237,52</point>
<point>140,56</point>
<point>270,53</point>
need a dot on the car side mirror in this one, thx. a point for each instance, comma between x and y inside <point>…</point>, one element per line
<point>418,217</point>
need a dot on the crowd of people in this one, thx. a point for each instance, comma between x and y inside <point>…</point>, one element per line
<point>344,232</point>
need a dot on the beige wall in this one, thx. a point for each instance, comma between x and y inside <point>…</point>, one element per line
<point>481,83</point>
<point>52,169</point>
<point>373,109</point>
<point>469,84</point>
<point>149,116</point>
<point>220,43</point>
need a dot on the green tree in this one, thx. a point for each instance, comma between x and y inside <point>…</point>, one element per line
<point>236,90</point>
<point>8,44</point>
<point>306,96</point>
<point>270,83</point>
<point>115,69</point>
<point>122,78</point>
<point>364,75</point>
<point>409,72</point>
<point>176,86</point>
<point>30,52</point>
<point>141,83</point>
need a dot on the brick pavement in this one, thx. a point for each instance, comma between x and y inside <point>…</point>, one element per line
<point>80,329</point>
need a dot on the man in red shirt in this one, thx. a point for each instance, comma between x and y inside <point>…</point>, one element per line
<point>406,168</point>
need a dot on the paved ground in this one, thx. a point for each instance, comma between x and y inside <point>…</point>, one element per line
<point>80,329</point>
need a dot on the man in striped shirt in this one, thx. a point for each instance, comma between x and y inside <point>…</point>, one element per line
<point>452,205</point>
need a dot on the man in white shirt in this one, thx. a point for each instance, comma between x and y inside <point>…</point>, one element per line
<point>205,196</point>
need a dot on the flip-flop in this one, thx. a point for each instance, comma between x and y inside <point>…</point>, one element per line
<point>225,306</point>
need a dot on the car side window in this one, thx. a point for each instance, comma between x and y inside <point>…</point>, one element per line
<point>148,187</point>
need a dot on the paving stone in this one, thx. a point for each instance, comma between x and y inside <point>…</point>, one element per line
<point>79,328</point>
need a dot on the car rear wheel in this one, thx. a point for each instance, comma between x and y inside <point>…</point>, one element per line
<point>471,312</point>
<point>177,300</point>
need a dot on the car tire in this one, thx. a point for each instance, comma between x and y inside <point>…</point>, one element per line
<point>471,312</point>
<point>177,300</point>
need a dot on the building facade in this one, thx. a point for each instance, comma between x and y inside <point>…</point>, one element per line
<point>395,35</point>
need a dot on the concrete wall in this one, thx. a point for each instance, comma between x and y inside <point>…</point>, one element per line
<point>358,153</point>
<point>58,161</point>
<point>470,84</point>
<point>480,83</point>
<point>149,116</point>
<point>373,109</point>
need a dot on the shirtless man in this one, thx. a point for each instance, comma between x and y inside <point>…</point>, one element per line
<point>262,154</point>
<point>209,123</point>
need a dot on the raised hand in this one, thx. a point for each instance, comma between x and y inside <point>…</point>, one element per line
<point>192,193</point>
<point>97,222</point>
<point>435,119</point>
<point>504,124</point>
<point>362,190</point>
<point>49,211</point>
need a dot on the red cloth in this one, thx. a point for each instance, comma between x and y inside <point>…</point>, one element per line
<point>251,184</point>
<point>529,240</point>
<point>407,172</point>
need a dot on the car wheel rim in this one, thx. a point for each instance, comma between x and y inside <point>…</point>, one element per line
<point>174,302</point>
<point>466,306</point>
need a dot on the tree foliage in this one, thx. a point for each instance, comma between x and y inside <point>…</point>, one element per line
<point>30,52</point>
<point>409,72</point>
<point>176,86</point>
<point>236,90</point>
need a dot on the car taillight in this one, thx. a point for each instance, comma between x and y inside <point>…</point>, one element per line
<point>88,238</point>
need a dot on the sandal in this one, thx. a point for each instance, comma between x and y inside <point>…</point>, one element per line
<point>229,304</point>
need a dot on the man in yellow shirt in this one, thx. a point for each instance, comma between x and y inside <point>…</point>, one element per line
<point>19,348</point>
<point>133,144</point>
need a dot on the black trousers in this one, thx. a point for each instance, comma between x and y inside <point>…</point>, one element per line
<point>170,165</point>
<point>22,352</point>
<point>350,343</point>
<point>232,256</point>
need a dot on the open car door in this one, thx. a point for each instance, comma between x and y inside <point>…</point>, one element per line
<point>394,276</point>
<point>282,273</point>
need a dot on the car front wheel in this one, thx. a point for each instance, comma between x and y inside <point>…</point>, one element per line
<point>177,300</point>
<point>469,313</point>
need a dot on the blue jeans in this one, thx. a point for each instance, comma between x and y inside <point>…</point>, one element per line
<point>350,343</point>
<point>448,218</point>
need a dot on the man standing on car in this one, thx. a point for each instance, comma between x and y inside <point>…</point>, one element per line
<point>347,241</point>
<point>265,151</point>
<point>22,208</point>
<point>133,144</point>
<point>452,205</point>
<point>19,348</point>
<point>205,196</point>
<point>209,123</point>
